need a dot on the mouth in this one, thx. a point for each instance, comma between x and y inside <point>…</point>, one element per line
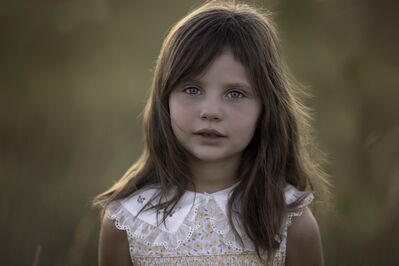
<point>212,136</point>
<point>209,133</point>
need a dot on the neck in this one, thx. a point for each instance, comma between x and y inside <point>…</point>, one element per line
<point>214,176</point>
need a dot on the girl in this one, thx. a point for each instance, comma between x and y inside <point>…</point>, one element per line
<point>224,170</point>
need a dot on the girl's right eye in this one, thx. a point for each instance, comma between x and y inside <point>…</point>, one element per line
<point>191,90</point>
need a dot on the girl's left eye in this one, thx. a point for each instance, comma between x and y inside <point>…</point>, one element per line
<point>236,94</point>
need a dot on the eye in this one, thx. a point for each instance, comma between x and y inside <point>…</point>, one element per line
<point>191,90</point>
<point>235,94</point>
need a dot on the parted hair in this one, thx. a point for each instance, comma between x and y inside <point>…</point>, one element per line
<point>281,148</point>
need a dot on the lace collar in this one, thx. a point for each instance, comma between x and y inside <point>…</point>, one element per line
<point>189,202</point>
<point>183,221</point>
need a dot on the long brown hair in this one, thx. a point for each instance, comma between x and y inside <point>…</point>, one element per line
<point>279,150</point>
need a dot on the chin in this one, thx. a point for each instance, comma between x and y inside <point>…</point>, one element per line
<point>209,157</point>
<point>210,160</point>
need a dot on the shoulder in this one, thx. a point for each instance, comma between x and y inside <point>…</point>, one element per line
<point>303,241</point>
<point>113,245</point>
<point>119,216</point>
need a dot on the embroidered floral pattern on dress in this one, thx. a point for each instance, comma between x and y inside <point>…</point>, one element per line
<point>140,199</point>
<point>199,233</point>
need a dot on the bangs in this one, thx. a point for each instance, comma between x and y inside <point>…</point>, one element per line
<point>202,39</point>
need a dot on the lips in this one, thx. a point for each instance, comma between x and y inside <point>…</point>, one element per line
<point>209,132</point>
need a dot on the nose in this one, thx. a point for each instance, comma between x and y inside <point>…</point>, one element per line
<point>210,116</point>
<point>211,110</point>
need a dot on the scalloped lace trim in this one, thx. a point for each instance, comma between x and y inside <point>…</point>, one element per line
<point>220,224</point>
<point>151,235</point>
<point>281,253</point>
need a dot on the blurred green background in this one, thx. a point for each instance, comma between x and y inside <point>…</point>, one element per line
<point>74,77</point>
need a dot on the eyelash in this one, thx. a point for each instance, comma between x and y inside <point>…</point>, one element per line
<point>191,87</point>
<point>187,88</point>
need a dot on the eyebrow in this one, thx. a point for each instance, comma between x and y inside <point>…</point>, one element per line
<point>229,84</point>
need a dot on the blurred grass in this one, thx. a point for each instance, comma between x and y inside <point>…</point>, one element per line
<point>74,76</point>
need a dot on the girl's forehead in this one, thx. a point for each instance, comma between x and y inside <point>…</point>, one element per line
<point>230,54</point>
<point>220,63</point>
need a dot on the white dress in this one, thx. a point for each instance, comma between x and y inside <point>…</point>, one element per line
<point>196,233</point>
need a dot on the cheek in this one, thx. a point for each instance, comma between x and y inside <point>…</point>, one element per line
<point>244,122</point>
<point>246,116</point>
<point>181,114</point>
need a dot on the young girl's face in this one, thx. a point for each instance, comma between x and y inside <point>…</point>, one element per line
<point>221,99</point>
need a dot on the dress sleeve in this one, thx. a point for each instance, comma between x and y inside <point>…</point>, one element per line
<point>117,212</point>
<point>292,194</point>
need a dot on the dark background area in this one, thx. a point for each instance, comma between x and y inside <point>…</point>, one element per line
<point>74,77</point>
